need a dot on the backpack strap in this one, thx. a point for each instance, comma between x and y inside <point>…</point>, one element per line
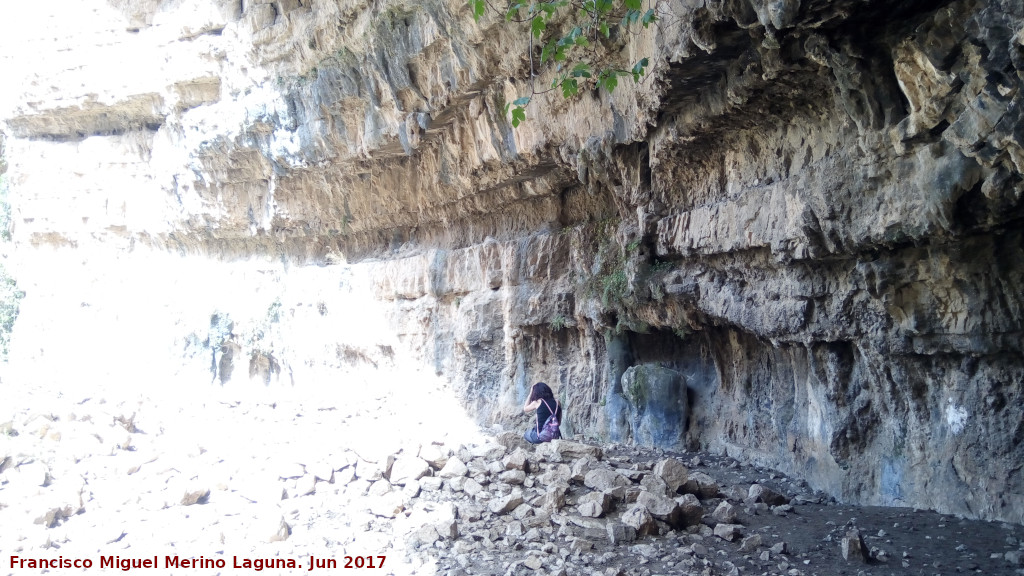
<point>553,412</point>
<point>549,410</point>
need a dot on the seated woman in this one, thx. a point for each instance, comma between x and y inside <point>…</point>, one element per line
<point>542,399</point>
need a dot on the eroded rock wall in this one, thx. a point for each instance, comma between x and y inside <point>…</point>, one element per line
<point>808,214</point>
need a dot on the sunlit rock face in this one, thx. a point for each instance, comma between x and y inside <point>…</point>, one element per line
<point>809,211</point>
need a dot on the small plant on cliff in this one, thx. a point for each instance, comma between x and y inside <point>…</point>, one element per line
<point>557,323</point>
<point>614,286</point>
<point>572,36</point>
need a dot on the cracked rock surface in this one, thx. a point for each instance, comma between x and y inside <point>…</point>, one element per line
<point>798,241</point>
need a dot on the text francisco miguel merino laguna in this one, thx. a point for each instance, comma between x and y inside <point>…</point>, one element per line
<point>256,564</point>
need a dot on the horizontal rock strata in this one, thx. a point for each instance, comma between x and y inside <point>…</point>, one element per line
<point>797,240</point>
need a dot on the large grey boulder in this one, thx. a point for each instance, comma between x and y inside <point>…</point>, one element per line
<point>663,508</point>
<point>672,472</point>
<point>651,405</point>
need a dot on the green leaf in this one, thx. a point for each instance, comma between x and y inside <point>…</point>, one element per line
<point>521,101</point>
<point>518,116</point>
<point>569,87</point>
<point>649,17</point>
<point>639,68</point>
<point>581,70</point>
<point>547,51</point>
<point>610,82</point>
<point>537,26</point>
<point>633,4</point>
<point>604,29</point>
<point>604,6</point>
<point>478,7</point>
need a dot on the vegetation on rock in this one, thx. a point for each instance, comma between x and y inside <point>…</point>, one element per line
<point>573,37</point>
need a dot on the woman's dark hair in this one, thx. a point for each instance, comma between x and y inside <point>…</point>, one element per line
<point>541,391</point>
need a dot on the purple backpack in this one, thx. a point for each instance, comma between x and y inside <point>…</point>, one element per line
<point>550,430</point>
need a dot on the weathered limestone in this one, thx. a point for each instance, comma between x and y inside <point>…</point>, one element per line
<point>604,480</point>
<point>797,240</point>
<point>672,472</point>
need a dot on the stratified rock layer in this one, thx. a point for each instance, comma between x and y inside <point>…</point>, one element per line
<point>808,213</point>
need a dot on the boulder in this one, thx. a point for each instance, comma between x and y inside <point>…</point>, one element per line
<point>539,519</point>
<point>533,562</point>
<point>431,483</point>
<point>655,485</point>
<point>554,498</point>
<point>505,504</point>
<point>433,455</point>
<point>442,518</point>
<point>515,477</point>
<point>281,533</point>
<point>345,475</point>
<point>517,460</point>
<point>640,519</point>
<point>619,533</point>
<point>522,511</point>
<point>656,407</point>
<point>454,467</point>
<point>691,509</point>
<point>759,493</point>
<point>701,485</point>
<point>728,531</point>
<point>672,472</point>
<point>581,466</point>
<point>662,508</point>
<point>514,530</point>
<point>512,440</point>
<point>853,547</point>
<point>567,451</point>
<point>604,480</point>
<point>725,513</point>
<point>199,496</point>
<point>556,474</point>
<point>472,487</point>
<point>379,488</point>
<point>423,536</point>
<point>594,504</point>
<point>750,544</point>
<point>489,452</point>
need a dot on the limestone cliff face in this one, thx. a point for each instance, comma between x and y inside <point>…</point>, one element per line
<point>799,239</point>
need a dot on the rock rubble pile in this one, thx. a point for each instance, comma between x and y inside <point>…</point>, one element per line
<point>299,480</point>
